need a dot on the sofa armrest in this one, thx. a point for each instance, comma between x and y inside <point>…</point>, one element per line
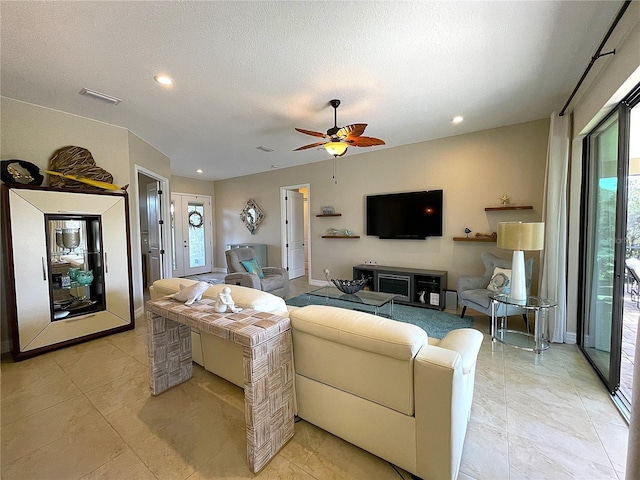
<point>275,271</point>
<point>469,282</point>
<point>466,342</point>
<point>245,279</point>
<point>443,395</point>
<point>285,277</point>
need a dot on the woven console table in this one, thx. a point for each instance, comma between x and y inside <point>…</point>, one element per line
<point>265,339</point>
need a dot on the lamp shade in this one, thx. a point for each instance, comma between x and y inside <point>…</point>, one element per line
<point>521,236</point>
<point>336,148</point>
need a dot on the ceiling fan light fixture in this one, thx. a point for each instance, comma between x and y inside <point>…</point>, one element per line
<point>336,148</point>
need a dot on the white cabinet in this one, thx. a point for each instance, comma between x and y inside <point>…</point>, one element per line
<point>68,269</point>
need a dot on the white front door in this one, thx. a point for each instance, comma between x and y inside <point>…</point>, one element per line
<point>191,226</point>
<point>295,234</point>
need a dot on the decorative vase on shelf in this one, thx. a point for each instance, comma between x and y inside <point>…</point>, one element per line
<point>73,273</point>
<point>421,297</point>
<point>84,277</point>
<point>71,238</point>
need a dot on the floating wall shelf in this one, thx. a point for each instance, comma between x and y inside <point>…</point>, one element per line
<point>474,239</point>
<point>508,207</point>
<point>340,236</point>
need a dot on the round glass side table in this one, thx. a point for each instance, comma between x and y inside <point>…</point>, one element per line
<point>535,342</point>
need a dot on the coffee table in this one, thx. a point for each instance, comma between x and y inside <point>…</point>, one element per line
<point>377,300</point>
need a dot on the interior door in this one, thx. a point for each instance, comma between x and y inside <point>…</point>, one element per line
<point>154,215</point>
<point>295,234</point>
<point>191,234</point>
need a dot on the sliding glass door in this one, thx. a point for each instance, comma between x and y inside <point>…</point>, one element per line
<point>609,205</point>
<point>600,325</point>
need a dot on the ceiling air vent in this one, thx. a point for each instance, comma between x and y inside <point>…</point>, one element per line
<point>100,96</point>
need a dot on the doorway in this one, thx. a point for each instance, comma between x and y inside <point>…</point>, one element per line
<point>610,243</point>
<point>152,232</point>
<point>294,205</point>
<point>191,234</point>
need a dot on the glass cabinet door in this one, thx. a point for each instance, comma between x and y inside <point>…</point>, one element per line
<point>76,276</point>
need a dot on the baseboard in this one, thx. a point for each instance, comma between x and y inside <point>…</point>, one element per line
<point>218,270</point>
<point>139,312</point>
<point>317,283</point>
<point>571,338</point>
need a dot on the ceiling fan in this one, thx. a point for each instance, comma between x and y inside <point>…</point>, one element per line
<point>340,138</point>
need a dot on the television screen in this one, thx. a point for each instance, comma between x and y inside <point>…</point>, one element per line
<point>409,215</point>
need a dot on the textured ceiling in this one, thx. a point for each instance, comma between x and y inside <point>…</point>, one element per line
<point>247,73</point>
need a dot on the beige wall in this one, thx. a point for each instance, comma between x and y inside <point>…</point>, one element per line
<point>472,169</point>
<point>31,132</point>
<point>142,155</point>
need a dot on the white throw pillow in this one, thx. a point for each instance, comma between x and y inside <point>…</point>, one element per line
<point>191,294</point>
<point>500,280</point>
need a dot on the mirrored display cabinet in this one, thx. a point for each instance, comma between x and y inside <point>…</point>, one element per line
<point>68,271</point>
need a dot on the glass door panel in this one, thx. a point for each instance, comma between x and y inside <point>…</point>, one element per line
<point>191,235</point>
<point>75,265</point>
<point>600,247</point>
<point>197,243</point>
<point>631,304</point>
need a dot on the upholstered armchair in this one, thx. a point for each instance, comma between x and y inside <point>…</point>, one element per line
<point>243,269</point>
<point>473,291</point>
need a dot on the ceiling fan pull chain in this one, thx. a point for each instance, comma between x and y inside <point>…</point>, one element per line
<point>335,178</point>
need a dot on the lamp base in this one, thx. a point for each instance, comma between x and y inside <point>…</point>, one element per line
<point>518,277</point>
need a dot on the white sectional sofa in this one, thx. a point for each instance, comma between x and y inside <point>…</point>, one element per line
<point>380,384</point>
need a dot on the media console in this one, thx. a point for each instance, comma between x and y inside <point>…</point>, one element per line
<point>416,287</point>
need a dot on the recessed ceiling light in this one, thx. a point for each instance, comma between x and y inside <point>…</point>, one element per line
<point>199,170</point>
<point>163,80</point>
<point>457,119</point>
<point>275,166</point>
<point>264,148</point>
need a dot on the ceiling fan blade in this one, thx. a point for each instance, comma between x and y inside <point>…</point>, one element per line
<point>312,133</point>
<point>354,130</point>
<point>311,145</point>
<point>364,141</point>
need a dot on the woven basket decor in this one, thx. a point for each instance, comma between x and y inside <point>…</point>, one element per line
<point>76,161</point>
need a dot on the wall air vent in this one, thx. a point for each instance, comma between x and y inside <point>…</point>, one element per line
<point>100,96</point>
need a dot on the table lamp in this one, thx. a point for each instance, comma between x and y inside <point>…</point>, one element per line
<point>519,236</point>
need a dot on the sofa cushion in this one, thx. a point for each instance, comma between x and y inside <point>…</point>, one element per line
<point>191,293</point>
<point>356,352</point>
<point>169,286</point>
<point>252,266</point>
<point>242,296</point>
<point>478,296</point>
<point>258,300</point>
<point>360,330</point>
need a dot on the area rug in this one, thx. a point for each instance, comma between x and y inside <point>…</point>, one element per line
<point>436,323</point>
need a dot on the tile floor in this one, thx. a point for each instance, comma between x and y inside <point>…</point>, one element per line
<point>85,412</point>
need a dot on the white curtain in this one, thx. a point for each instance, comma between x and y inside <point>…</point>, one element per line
<point>555,216</point>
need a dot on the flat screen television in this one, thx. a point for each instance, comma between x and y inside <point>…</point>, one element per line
<point>408,215</point>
